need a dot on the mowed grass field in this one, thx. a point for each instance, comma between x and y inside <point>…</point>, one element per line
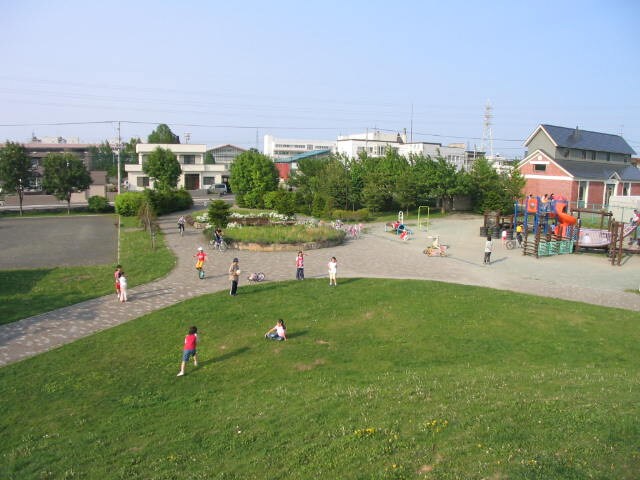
<point>380,379</point>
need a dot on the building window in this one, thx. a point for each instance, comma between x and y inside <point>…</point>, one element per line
<point>539,167</point>
<point>582,194</point>
<point>626,189</point>
<point>584,154</point>
<point>142,181</point>
<point>189,159</point>
<point>608,156</point>
<point>208,180</point>
<point>593,155</point>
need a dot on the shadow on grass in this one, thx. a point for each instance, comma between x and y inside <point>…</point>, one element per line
<point>28,280</point>
<point>226,356</point>
<point>296,334</point>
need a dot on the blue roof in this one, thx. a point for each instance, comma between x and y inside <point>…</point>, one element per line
<point>300,156</point>
<point>586,140</point>
<point>600,170</point>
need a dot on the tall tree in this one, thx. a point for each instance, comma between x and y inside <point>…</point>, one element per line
<point>64,173</point>
<point>444,182</point>
<point>163,166</point>
<point>252,175</point>
<point>103,157</point>
<point>485,186</point>
<point>16,171</point>
<point>163,134</point>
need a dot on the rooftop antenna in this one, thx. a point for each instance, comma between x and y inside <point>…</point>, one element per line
<point>411,138</point>
<point>257,141</point>
<point>187,137</point>
<point>486,132</point>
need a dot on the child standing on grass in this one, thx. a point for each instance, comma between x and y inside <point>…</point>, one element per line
<point>116,276</point>
<point>333,270</point>
<point>189,350</point>
<point>278,332</point>
<point>122,280</point>
<point>488,247</point>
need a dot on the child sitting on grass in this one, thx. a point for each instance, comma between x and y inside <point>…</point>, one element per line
<point>278,332</point>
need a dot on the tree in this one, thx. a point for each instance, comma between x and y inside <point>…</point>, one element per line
<point>163,166</point>
<point>219,212</point>
<point>64,173</point>
<point>485,186</point>
<point>16,172</point>
<point>103,157</point>
<point>163,134</point>
<point>252,175</point>
<point>444,182</point>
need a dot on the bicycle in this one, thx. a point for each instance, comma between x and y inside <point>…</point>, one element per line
<point>220,246</point>
<point>256,277</point>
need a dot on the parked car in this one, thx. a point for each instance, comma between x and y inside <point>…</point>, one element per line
<point>219,188</point>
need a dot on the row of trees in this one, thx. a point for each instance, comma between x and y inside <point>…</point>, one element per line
<point>64,173</point>
<point>379,184</point>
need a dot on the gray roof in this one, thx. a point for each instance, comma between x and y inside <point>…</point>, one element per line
<point>586,140</point>
<point>600,170</point>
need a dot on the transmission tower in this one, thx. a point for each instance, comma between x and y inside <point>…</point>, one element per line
<point>487,136</point>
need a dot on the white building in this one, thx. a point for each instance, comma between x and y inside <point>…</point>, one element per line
<point>280,148</point>
<point>195,173</point>
<point>376,143</point>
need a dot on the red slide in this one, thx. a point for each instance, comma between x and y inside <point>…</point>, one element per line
<point>564,218</point>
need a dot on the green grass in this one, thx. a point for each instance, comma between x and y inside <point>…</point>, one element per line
<point>24,293</point>
<point>294,234</point>
<point>381,379</point>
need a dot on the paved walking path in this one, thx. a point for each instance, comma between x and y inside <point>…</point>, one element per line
<point>586,278</point>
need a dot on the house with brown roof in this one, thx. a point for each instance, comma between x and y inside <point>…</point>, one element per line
<point>585,167</point>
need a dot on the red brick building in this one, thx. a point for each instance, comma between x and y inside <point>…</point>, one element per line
<point>585,167</point>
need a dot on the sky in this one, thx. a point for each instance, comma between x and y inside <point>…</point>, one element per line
<point>231,72</point>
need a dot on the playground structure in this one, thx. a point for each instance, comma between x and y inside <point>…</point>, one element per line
<point>423,220</point>
<point>399,228</point>
<point>555,232</point>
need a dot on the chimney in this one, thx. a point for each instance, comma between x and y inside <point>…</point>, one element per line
<point>576,134</point>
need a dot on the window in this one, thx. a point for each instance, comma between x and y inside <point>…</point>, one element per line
<point>188,159</point>
<point>593,155</point>
<point>539,167</point>
<point>584,154</point>
<point>142,181</point>
<point>208,180</point>
<point>626,189</point>
<point>608,156</point>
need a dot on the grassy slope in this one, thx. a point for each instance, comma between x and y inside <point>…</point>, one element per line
<point>29,292</point>
<point>380,379</point>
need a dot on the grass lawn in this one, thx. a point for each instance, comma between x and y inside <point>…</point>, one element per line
<point>24,293</point>
<point>380,379</point>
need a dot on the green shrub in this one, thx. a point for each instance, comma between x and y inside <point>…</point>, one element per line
<point>281,201</point>
<point>98,204</point>
<point>128,203</point>
<point>219,212</point>
<point>361,215</point>
<point>167,201</point>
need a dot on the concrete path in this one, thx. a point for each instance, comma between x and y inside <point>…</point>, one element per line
<point>586,278</point>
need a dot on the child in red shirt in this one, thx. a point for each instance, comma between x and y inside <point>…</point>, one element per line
<point>190,342</point>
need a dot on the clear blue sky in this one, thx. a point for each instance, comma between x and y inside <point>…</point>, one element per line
<point>317,69</point>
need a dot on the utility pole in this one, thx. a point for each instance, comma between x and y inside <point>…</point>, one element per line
<point>119,147</point>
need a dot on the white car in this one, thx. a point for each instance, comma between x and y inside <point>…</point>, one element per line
<point>220,188</point>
